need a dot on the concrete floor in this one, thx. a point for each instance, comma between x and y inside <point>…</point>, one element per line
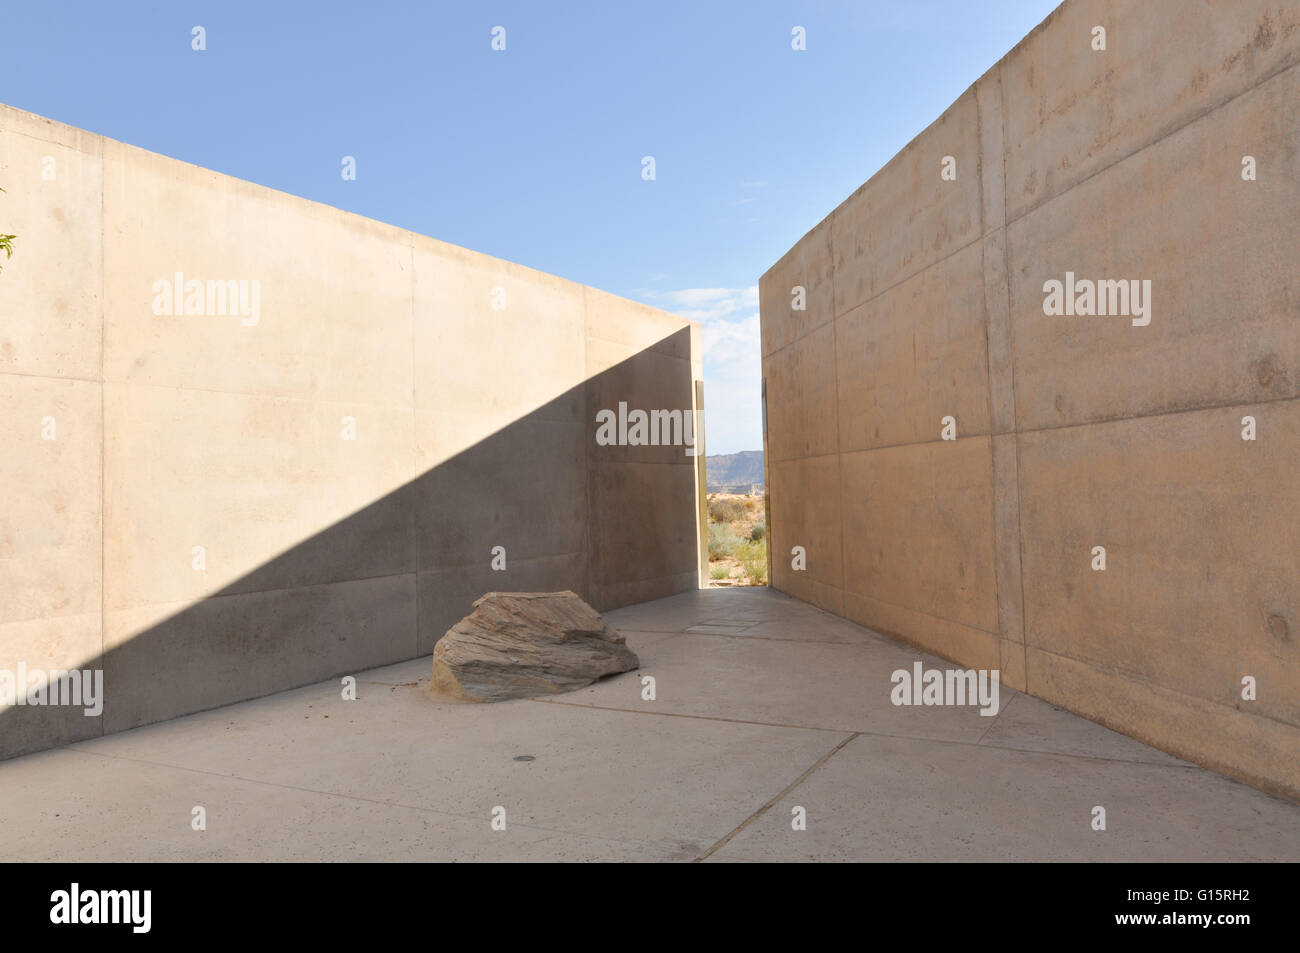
<point>763,704</point>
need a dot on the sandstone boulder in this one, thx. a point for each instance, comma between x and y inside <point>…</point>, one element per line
<point>522,644</point>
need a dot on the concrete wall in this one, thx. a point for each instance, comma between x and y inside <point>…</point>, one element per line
<point>474,428</point>
<point>926,300</point>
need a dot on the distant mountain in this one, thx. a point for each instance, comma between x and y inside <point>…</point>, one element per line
<point>734,472</point>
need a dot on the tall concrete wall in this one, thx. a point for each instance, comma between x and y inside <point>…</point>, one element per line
<point>925,299</point>
<point>474,428</point>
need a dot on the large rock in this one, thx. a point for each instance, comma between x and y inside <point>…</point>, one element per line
<point>520,644</point>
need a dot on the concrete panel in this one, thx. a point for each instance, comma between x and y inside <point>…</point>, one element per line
<point>1117,165</point>
<point>964,644</point>
<point>993,200</point>
<point>472,356</point>
<point>352,276</point>
<point>626,592</point>
<point>1071,111</point>
<point>1219,253</point>
<point>918,529</point>
<point>855,234</point>
<point>807,265</point>
<point>642,525</point>
<point>1006,537</point>
<point>50,294</point>
<point>442,435</point>
<point>801,404</point>
<point>524,488</point>
<point>638,326</point>
<point>234,647</point>
<point>648,381</point>
<point>906,217</point>
<point>1030,724</point>
<point>1202,578</point>
<point>1011,656</point>
<point>50,520</point>
<point>58,643</point>
<point>1001,345</point>
<point>806,511</point>
<point>914,354</point>
<point>249,479</point>
<point>1225,738</point>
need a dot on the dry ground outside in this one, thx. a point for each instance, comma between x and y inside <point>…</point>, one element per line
<point>737,540</point>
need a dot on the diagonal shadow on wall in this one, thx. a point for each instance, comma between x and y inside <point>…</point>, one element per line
<point>616,524</point>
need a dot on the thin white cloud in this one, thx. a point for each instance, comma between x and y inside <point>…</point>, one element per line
<point>694,297</point>
<point>732,365</point>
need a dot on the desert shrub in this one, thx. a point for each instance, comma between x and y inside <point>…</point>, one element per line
<point>724,511</point>
<point>719,571</point>
<point>722,541</point>
<point>753,556</point>
<point>756,570</point>
<point>758,531</point>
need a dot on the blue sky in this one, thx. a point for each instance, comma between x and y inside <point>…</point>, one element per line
<point>534,154</point>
